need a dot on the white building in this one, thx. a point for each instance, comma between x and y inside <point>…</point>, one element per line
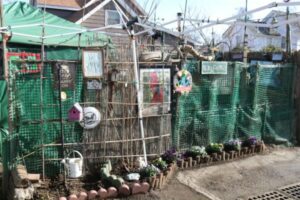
<point>258,38</point>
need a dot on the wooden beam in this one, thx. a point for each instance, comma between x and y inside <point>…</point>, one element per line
<point>85,17</point>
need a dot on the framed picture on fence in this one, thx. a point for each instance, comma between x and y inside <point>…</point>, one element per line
<point>155,84</point>
<point>92,63</point>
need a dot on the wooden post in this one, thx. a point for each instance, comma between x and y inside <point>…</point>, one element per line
<point>5,37</point>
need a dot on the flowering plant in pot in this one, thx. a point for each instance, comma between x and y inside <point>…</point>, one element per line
<point>233,145</point>
<point>195,151</point>
<point>170,155</point>
<point>149,171</point>
<point>214,148</point>
<point>251,141</point>
<point>160,164</point>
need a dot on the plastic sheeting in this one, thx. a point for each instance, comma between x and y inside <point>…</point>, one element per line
<point>20,14</point>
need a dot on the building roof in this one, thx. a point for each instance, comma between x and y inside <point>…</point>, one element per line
<point>261,30</point>
<point>130,6</point>
<point>61,4</point>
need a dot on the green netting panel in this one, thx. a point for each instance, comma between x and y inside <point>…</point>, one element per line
<point>278,125</point>
<point>208,113</point>
<point>3,114</point>
<point>249,101</point>
<point>36,120</point>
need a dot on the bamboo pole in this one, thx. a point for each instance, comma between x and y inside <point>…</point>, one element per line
<point>105,157</point>
<point>5,178</point>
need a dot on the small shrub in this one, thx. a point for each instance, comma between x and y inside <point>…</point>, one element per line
<point>214,148</point>
<point>160,164</point>
<point>252,140</point>
<point>195,151</point>
<point>233,145</point>
<point>149,171</point>
<point>170,155</point>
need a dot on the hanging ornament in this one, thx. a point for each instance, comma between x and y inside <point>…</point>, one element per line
<point>91,118</point>
<point>183,81</point>
<point>63,96</point>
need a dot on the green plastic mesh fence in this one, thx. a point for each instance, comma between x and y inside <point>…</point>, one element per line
<point>255,100</point>
<point>36,118</point>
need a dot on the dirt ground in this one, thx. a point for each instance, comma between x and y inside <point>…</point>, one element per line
<point>177,191</point>
<point>172,191</point>
<point>251,176</point>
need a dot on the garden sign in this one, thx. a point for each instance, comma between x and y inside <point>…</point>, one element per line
<point>214,67</point>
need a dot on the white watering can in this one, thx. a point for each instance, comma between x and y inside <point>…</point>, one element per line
<point>73,165</point>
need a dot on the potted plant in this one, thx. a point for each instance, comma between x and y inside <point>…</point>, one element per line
<point>233,145</point>
<point>214,148</point>
<point>194,152</point>
<point>252,140</point>
<point>149,171</point>
<point>250,143</point>
<point>160,164</point>
<point>170,156</point>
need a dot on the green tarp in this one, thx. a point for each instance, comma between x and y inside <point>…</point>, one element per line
<point>3,113</point>
<point>20,14</point>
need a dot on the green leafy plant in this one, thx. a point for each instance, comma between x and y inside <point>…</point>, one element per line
<point>214,148</point>
<point>149,171</point>
<point>195,151</point>
<point>160,164</point>
<point>233,145</point>
<point>170,155</point>
<point>252,140</point>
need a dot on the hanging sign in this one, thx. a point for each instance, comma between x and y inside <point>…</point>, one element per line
<point>214,67</point>
<point>91,118</point>
<point>92,65</point>
<point>94,85</point>
<point>67,75</point>
<point>183,81</point>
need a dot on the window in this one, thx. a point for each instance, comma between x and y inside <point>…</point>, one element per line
<point>112,17</point>
<point>283,42</point>
<point>238,40</point>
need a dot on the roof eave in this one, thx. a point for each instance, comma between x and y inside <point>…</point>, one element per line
<point>58,7</point>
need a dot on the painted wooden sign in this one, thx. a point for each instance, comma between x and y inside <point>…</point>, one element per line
<point>92,65</point>
<point>214,67</point>
<point>94,85</point>
<point>67,75</point>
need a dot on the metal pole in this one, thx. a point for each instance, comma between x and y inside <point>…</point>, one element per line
<point>245,49</point>
<point>179,16</point>
<point>137,86</point>
<point>288,33</point>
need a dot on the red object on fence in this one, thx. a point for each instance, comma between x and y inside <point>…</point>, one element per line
<point>24,57</point>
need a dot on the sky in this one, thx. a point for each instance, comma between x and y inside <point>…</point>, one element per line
<point>212,9</point>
